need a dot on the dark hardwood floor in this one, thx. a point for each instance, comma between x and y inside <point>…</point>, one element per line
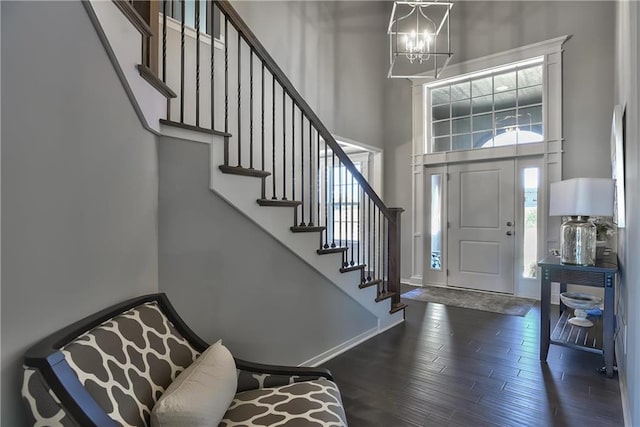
<point>460,367</point>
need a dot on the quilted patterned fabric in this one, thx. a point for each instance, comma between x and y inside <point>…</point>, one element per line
<point>127,362</point>
<point>252,380</point>
<point>309,403</point>
<point>42,404</point>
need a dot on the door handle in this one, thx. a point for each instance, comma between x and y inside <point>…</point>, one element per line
<point>509,233</point>
<point>509,223</point>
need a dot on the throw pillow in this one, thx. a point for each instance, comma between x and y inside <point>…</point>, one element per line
<point>201,394</point>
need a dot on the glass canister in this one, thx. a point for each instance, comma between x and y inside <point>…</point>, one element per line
<point>578,241</point>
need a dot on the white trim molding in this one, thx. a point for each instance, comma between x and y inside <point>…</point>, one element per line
<point>190,32</point>
<point>341,348</point>
<point>492,63</point>
<point>349,344</point>
<point>549,54</point>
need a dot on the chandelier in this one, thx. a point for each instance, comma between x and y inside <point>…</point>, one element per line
<point>419,39</point>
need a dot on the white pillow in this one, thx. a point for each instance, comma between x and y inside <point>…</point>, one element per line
<point>201,394</point>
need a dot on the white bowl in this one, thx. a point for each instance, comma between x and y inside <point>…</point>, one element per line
<point>580,300</point>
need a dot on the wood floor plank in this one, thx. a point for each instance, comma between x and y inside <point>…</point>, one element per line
<point>459,367</point>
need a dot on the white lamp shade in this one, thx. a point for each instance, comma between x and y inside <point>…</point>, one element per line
<point>582,197</point>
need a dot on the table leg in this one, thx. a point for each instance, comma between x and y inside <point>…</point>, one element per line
<point>609,327</point>
<point>545,306</point>
<point>563,288</point>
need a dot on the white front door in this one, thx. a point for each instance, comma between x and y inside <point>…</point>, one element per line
<point>481,242</point>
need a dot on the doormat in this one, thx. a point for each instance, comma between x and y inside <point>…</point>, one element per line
<point>495,303</point>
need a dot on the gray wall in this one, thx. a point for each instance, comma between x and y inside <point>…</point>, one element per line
<point>79,183</point>
<point>627,94</point>
<point>231,280</point>
<point>481,28</point>
<point>333,52</point>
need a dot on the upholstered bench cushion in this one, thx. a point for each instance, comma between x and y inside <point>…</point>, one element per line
<point>308,403</point>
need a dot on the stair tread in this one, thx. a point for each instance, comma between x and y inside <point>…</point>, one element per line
<point>153,80</point>
<point>194,128</point>
<point>397,307</point>
<point>352,268</point>
<point>369,283</point>
<point>307,228</point>
<point>239,170</point>
<point>279,203</point>
<point>335,250</point>
<point>385,295</point>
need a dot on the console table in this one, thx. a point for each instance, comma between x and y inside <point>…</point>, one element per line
<point>597,339</point>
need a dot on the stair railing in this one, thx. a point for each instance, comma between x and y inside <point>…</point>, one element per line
<point>228,83</point>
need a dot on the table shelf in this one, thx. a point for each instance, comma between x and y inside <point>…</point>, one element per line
<point>577,337</point>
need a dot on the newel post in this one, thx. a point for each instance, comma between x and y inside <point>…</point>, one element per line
<point>394,254</point>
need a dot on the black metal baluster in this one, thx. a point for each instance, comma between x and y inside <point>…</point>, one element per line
<point>368,228</point>
<point>293,155</point>
<point>273,137</point>
<point>302,224</point>
<point>262,119</point>
<point>382,251</point>
<point>310,223</point>
<point>374,241</point>
<point>319,191</point>
<point>164,41</point>
<point>360,234</point>
<point>379,243</point>
<point>353,242</point>
<point>333,198</point>
<point>164,53</point>
<point>284,145</point>
<point>239,101</point>
<point>226,74</point>
<point>326,198</point>
<point>197,17</point>
<point>251,109</point>
<point>182,63</point>
<point>213,68</point>
<point>340,206</point>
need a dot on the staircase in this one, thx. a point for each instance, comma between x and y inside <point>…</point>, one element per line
<point>271,156</point>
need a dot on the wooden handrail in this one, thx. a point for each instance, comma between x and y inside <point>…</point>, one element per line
<point>134,17</point>
<point>262,53</point>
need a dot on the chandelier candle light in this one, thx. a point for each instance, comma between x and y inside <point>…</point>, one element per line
<point>419,40</point>
<point>578,199</point>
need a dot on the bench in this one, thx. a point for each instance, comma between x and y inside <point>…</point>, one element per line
<point>112,368</point>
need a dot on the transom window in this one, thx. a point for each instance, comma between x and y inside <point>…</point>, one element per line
<point>488,109</point>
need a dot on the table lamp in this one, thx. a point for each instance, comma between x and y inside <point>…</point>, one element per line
<point>578,199</point>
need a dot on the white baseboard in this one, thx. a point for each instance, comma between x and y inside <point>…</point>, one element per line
<point>347,345</point>
<point>624,396</point>
<point>624,393</point>
<point>412,281</point>
<point>341,348</point>
<point>391,326</point>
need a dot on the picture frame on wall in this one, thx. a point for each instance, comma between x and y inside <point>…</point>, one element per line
<point>617,164</point>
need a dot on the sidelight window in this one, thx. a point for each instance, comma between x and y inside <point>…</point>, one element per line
<point>530,221</point>
<point>436,222</point>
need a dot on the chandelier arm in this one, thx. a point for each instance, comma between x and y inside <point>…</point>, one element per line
<point>445,18</point>
<point>413,9</point>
